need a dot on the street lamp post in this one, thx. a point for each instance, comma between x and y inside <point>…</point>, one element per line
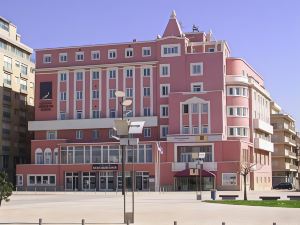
<point>201,156</point>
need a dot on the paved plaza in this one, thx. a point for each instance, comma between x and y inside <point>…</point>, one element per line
<point>151,209</point>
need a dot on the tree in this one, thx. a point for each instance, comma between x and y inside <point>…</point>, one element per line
<point>245,169</point>
<point>6,188</point>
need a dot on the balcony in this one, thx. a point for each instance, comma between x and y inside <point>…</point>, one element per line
<point>179,166</point>
<point>262,144</point>
<point>263,126</point>
<point>289,141</point>
<point>291,167</point>
<point>286,127</point>
<point>236,79</point>
<point>290,154</point>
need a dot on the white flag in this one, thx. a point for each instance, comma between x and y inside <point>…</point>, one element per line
<point>159,148</point>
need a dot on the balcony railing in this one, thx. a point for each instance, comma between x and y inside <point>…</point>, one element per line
<point>290,154</point>
<point>260,143</point>
<point>261,125</point>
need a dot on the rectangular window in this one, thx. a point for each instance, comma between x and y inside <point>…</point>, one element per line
<point>163,131</point>
<point>128,72</point>
<point>204,129</point>
<point>62,115</point>
<point>146,51</point>
<point>96,75</point>
<point>170,50</point>
<point>79,134</point>
<point>95,94</point>
<point>7,63</point>
<point>195,130</point>
<point>112,93</point>
<point>79,56</point>
<point>79,75</point>
<point>96,114</point>
<point>95,55</point>
<point>197,87</point>
<point>63,96</point>
<point>147,132</point>
<point>129,92</point>
<point>211,49</point>
<point>112,54</point>
<point>63,57</point>
<point>24,69</point>
<point>195,108</point>
<point>229,179</point>
<point>237,91</point>
<point>47,58</point>
<point>112,113</point>
<point>146,91</point>
<point>147,72</point>
<point>63,76</point>
<point>95,134</point>
<point>146,111</point>
<point>185,108</point>
<point>164,111</point>
<point>165,70</point>
<point>51,135</point>
<point>238,131</point>
<point>78,95</point>
<point>79,114</point>
<point>164,90</point>
<point>128,52</point>
<point>196,69</point>
<point>185,130</point>
<point>204,107</point>
<point>112,73</point>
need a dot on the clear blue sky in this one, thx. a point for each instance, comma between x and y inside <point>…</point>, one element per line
<point>264,32</point>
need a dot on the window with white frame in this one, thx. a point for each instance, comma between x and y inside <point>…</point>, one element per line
<point>128,52</point>
<point>95,55</point>
<point>164,130</point>
<point>42,179</point>
<point>147,132</point>
<point>62,115</point>
<point>112,54</point>
<point>204,108</point>
<point>164,111</point>
<point>47,58</point>
<point>195,130</point>
<point>95,75</point>
<point>79,75</point>
<point>185,130</point>
<point>146,111</point>
<point>79,134</point>
<point>111,133</point>
<point>204,129</point>
<point>112,113</point>
<point>128,72</point>
<point>112,93</point>
<point>129,92</point>
<point>185,108</point>
<point>39,156</point>
<point>197,87</point>
<point>63,57</point>
<point>164,90</point>
<point>237,91</point>
<point>96,114</point>
<point>196,69</point>
<point>78,95</point>
<point>47,156</point>
<point>51,135</point>
<point>112,73</point>
<point>211,49</point>
<point>195,107</point>
<point>147,92</point>
<point>63,76</point>
<point>19,180</point>
<point>146,51</point>
<point>229,179</point>
<point>79,56</point>
<point>95,94</point>
<point>146,71</point>
<point>170,50</point>
<point>238,131</point>
<point>63,96</point>
<point>164,70</point>
<point>79,114</point>
<point>237,111</point>
<point>95,134</point>
<point>55,156</point>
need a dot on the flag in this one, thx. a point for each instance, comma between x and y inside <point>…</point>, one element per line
<point>159,148</point>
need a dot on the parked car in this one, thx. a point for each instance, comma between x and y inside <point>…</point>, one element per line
<point>284,185</point>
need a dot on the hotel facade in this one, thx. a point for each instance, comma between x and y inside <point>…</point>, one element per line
<point>191,94</point>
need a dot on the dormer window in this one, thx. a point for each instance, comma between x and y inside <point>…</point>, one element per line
<point>79,56</point>
<point>47,58</point>
<point>112,54</point>
<point>63,57</point>
<point>128,52</point>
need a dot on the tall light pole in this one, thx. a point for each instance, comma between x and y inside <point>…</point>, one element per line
<point>201,156</point>
<point>123,103</point>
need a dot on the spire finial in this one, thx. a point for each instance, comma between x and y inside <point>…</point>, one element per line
<point>173,14</point>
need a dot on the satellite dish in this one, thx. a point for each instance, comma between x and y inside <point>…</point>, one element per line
<point>127,102</point>
<point>120,94</point>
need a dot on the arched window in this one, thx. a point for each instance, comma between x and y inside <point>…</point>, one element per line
<point>39,156</point>
<point>47,156</point>
<point>55,156</point>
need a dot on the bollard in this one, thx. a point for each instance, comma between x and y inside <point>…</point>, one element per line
<point>223,223</point>
<point>40,221</point>
<point>175,222</point>
<point>274,223</point>
<point>83,222</point>
<point>127,222</point>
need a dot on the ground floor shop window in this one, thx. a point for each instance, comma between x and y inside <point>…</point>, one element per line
<point>192,183</point>
<point>19,180</point>
<point>88,181</point>
<point>71,181</point>
<point>41,180</point>
<point>229,179</point>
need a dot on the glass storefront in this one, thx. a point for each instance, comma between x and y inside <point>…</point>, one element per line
<point>190,183</point>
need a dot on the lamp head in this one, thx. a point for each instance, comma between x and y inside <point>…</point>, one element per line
<point>127,102</point>
<point>120,94</point>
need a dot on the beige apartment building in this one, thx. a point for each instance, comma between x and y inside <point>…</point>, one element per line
<point>16,98</point>
<point>284,158</point>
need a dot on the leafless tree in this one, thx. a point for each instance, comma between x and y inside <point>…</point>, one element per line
<point>245,169</point>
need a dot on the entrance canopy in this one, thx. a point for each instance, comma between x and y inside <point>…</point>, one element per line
<point>193,173</point>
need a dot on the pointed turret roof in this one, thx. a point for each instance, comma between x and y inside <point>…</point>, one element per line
<point>173,28</point>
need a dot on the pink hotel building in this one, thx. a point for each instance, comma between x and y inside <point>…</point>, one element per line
<point>191,94</point>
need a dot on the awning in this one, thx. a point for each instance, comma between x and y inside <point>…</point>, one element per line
<point>193,173</point>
